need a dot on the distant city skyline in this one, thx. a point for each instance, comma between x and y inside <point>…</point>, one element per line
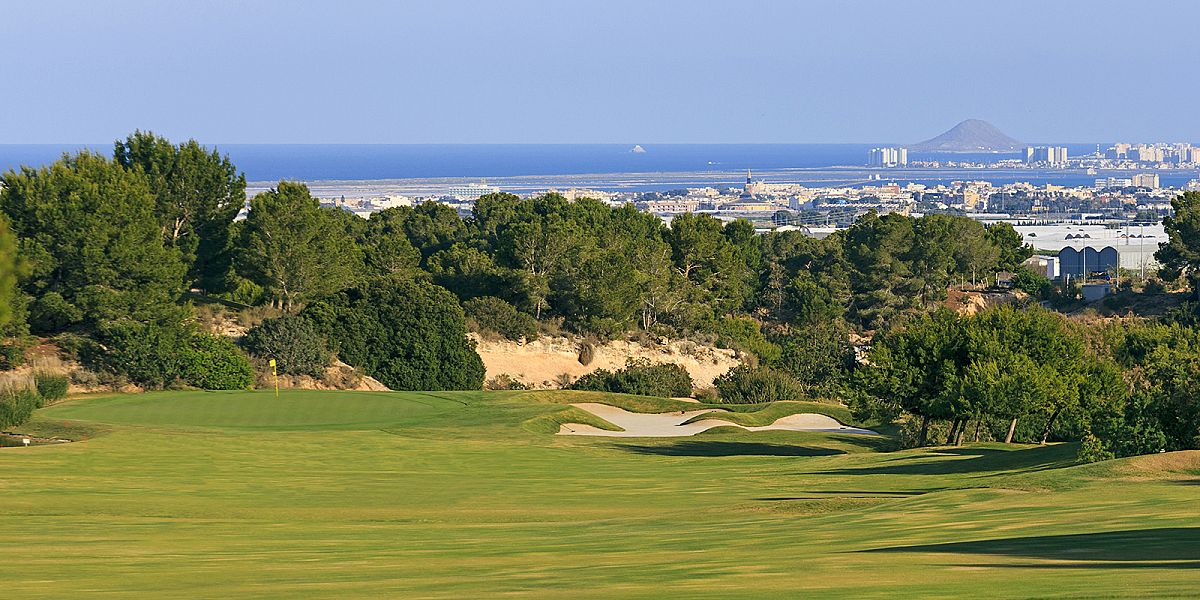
<point>622,71</point>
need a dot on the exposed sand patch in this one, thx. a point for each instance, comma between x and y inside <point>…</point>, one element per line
<point>675,424</point>
<point>540,362</point>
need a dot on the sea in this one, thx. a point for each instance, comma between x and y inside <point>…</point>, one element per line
<point>363,162</point>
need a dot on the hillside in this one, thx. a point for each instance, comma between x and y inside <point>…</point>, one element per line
<point>971,135</point>
<point>542,362</point>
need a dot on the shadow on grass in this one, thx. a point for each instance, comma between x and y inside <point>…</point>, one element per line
<point>876,443</point>
<point>1140,547</point>
<point>697,448</point>
<point>1191,564</point>
<point>835,494</point>
<point>948,461</point>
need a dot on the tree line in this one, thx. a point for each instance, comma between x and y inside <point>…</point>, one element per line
<point>102,249</point>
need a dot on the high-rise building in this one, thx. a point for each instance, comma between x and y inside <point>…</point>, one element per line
<point>1146,180</point>
<point>1051,155</point>
<point>1117,152</point>
<point>888,157</point>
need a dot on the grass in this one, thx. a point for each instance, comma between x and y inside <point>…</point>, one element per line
<point>765,415</point>
<point>457,495</point>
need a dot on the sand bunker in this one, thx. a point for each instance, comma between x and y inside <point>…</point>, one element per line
<point>673,424</point>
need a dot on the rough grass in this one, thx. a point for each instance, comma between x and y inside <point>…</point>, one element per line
<point>551,422</point>
<point>451,495</point>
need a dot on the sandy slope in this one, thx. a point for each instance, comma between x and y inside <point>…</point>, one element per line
<point>539,362</point>
<point>673,424</point>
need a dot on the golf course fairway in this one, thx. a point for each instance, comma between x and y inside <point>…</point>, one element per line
<point>472,495</point>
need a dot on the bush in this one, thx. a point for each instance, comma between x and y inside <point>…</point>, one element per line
<point>406,332</point>
<point>17,405</point>
<point>51,386</point>
<point>489,312</point>
<point>1093,450</point>
<point>294,342</point>
<point>639,377</point>
<point>818,356</point>
<point>744,384</point>
<point>12,353</point>
<point>213,362</point>
<point>156,357</point>
<point>1026,280</point>
<point>744,334</point>
<point>505,381</point>
<point>587,353</point>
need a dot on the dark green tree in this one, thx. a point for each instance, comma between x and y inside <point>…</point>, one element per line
<point>386,246</point>
<point>708,259</point>
<point>1181,254</point>
<point>819,356</point>
<point>296,249</point>
<point>8,273</point>
<point>406,332</point>
<point>429,226</point>
<point>882,281</point>
<point>1013,249</point>
<point>197,194</point>
<point>88,231</point>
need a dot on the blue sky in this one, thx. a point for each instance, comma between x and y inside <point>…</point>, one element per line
<point>641,71</point>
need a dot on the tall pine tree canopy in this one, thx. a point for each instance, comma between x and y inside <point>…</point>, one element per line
<point>1182,252</point>
<point>197,193</point>
<point>295,249</point>
<point>8,272</point>
<point>88,231</point>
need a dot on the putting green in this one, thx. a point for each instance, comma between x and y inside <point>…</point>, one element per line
<point>455,495</point>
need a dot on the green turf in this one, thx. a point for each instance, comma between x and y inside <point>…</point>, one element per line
<point>462,495</point>
<point>765,415</point>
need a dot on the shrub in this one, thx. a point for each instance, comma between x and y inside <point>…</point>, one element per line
<point>17,405</point>
<point>489,312</point>
<point>51,386</point>
<point>563,381</point>
<point>406,332</point>
<point>1026,280</point>
<point>639,377</point>
<point>819,356</point>
<point>12,353</point>
<point>752,385</point>
<point>745,335</point>
<point>587,353</point>
<point>294,342</point>
<point>213,362</point>
<point>157,356</point>
<point>1093,450</point>
<point>504,381</point>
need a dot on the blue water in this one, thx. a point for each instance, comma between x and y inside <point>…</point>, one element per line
<point>267,162</point>
<point>273,162</point>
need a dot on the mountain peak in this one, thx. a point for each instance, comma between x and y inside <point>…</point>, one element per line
<point>971,135</point>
